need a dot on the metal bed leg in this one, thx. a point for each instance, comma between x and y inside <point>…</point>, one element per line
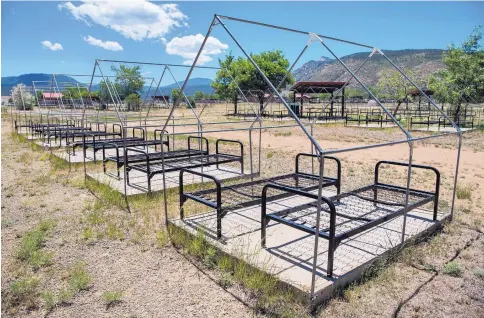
<point>219,211</point>
<point>263,222</point>
<point>127,176</point>
<point>332,244</point>
<point>149,182</point>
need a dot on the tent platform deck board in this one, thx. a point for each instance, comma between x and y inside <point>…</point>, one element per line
<point>436,129</point>
<point>372,125</point>
<point>79,156</point>
<point>138,180</point>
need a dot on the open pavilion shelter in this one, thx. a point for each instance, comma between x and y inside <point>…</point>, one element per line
<point>302,88</point>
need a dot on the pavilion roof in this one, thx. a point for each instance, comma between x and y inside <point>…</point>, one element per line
<point>416,92</point>
<point>52,95</point>
<point>317,87</point>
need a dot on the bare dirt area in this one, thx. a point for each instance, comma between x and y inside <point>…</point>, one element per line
<point>69,251</point>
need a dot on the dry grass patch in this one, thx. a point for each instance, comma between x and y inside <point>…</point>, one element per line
<point>271,298</point>
<point>464,192</point>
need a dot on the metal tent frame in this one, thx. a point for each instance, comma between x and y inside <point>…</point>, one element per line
<point>124,122</point>
<point>220,20</point>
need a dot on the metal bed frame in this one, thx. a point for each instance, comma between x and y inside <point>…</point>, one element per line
<point>464,121</point>
<point>350,213</point>
<point>426,120</point>
<point>120,159</point>
<point>90,141</point>
<point>164,162</point>
<point>73,131</point>
<point>230,197</point>
<point>367,118</point>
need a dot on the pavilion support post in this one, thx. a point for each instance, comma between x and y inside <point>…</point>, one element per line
<point>301,108</point>
<point>332,105</point>
<point>343,103</point>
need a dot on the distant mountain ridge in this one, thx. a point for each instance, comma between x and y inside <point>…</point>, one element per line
<point>10,81</point>
<point>423,61</point>
<point>194,84</point>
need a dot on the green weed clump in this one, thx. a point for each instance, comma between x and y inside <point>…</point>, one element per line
<point>79,279</point>
<point>283,134</point>
<point>111,298</point>
<point>30,249</point>
<point>479,273</point>
<point>452,269</point>
<point>161,238</point>
<point>22,292</point>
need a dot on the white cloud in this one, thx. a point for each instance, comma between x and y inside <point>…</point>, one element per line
<point>188,46</point>
<point>135,19</point>
<point>107,45</point>
<point>53,47</point>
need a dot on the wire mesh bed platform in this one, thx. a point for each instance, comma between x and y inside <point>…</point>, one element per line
<point>112,143</point>
<point>72,134</point>
<point>231,197</point>
<point>159,163</point>
<point>146,156</point>
<point>353,212</point>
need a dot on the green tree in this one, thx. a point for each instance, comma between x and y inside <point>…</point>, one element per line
<point>176,96</point>
<point>223,84</point>
<point>38,94</point>
<point>272,63</point>
<point>133,101</point>
<point>393,85</point>
<point>191,100</point>
<point>72,92</point>
<point>22,98</point>
<point>214,96</point>
<point>353,92</point>
<point>199,95</point>
<point>86,93</point>
<point>128,81</point>
<point>462,78</point>
<point>104,92</point>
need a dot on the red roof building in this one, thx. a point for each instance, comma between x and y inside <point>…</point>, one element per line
<point>51,96</point>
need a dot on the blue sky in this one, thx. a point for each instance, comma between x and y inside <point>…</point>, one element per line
<point>167,34</point>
